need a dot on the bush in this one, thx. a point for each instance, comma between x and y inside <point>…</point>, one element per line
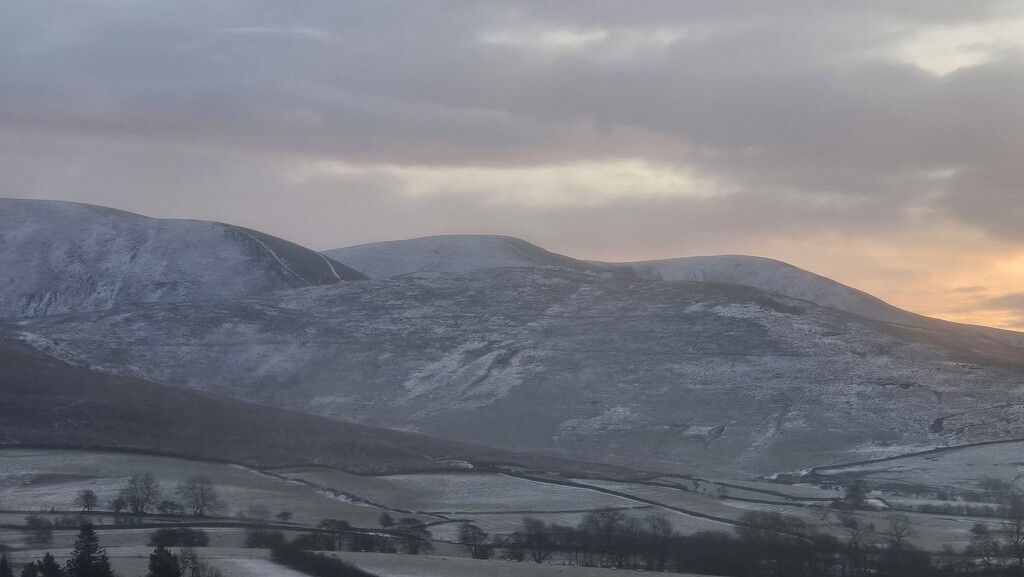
<point>263,539</point>
<point>179,537</point>
<point>315,564</point>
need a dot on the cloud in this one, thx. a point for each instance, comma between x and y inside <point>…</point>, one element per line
<point>578,185</point>
<point>619,128</point>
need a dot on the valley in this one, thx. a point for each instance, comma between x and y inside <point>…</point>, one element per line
<point>454,382</point>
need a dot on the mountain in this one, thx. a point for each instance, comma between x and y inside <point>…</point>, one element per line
<point>768,275</point>
<point>60,257</point>
<point>467,253</point>
<point>48,403</point>
<point>734,365</point>
<point>681,376</point>
<point>449,254</point>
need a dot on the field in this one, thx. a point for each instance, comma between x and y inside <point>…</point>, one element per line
<point>948,469</point>
<point>45,482</point>
<point>235,562</point>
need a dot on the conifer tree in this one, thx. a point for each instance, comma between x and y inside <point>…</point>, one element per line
<point>49,567</point>
<point>163,563</point>
<point>5,567</point>
<point>88,559</point>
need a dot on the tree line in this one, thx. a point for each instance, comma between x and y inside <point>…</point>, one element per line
<point>89,559</point>
<point>764,544</point>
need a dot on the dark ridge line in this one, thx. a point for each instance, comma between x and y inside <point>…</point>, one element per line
<point>792,498</point>
<point>351,496</point>
<point>816,470</point>
<point>107,449</point>
<point>484,468</point>
<point>440,513</point>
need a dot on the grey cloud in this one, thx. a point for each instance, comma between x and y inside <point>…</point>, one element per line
<point>791,103</point>
<point>1012,301</point>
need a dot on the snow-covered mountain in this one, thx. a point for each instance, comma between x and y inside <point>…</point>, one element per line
<point>449,253</point>
<point>466,253</point>
<point>669,375</point>
<point>59,257</point>
<point>768,275</point>
<point>729,364</point>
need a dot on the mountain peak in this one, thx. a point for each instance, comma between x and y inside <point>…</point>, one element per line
<point>449,253</point>
<point>59,257</point>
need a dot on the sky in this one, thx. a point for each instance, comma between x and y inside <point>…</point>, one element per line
<point>878,143</point>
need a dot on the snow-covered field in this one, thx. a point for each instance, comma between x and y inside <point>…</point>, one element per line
<point>34,480</point>
<point>960,468</point>
<point>461,493</point>
<point>38,480</point>
<point>423,566</point>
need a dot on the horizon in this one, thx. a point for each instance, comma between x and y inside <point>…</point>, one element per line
<point>873,144</point>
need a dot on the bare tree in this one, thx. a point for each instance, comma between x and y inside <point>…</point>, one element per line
<point>141,492</point>
<point>860,537</point>
<point>414,536</point>
<point>983,546</point>
<point>86,500</point>
<point>200,495</point>
<point>535,538</point>
<point>1013,529</point>
<point>899,532</point>
<point>660,532</point>
<point>475,540</point>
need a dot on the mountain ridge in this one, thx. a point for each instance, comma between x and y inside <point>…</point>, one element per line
<point>59,257</point>
<point>675,364</point>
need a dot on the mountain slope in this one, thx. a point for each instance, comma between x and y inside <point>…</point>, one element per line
<point>50,403</point>
<point>59,257</point>
<point>450,253</point>
<point>671,375</point>
<point>768,275</point>
<point>466,253</point>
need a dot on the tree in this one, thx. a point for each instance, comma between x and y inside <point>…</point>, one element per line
<point>1013,529</point>
<point>48,567</point>
<point>118,504</point>
<point>414,536</point>
<point>602,534</point>
<point>41,530</point>
<point>859,538</point>
<point>338,528</point>
<point>141,492</point>
<point>659,547</point>
<point>899,531</point>
<point>163,563</point>
<point>535,538</point>
<point>856,494</point>
<point>983,546</point>
<point>475,540</point>
<point>5,567</point>
<point>200,495</point>
<point>192,566</point>
<point>386,520</point>
<point>88,559</point>
<point>86,500</point>
<point>995,490</point>
<point>284,516</point>
<point>30,570</point>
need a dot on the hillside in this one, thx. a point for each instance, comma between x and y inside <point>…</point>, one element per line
<point>59,257</point>
<point>733,365</point>
<point>47,403</point>
<point>677,376</point>
<point>449,254</point>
